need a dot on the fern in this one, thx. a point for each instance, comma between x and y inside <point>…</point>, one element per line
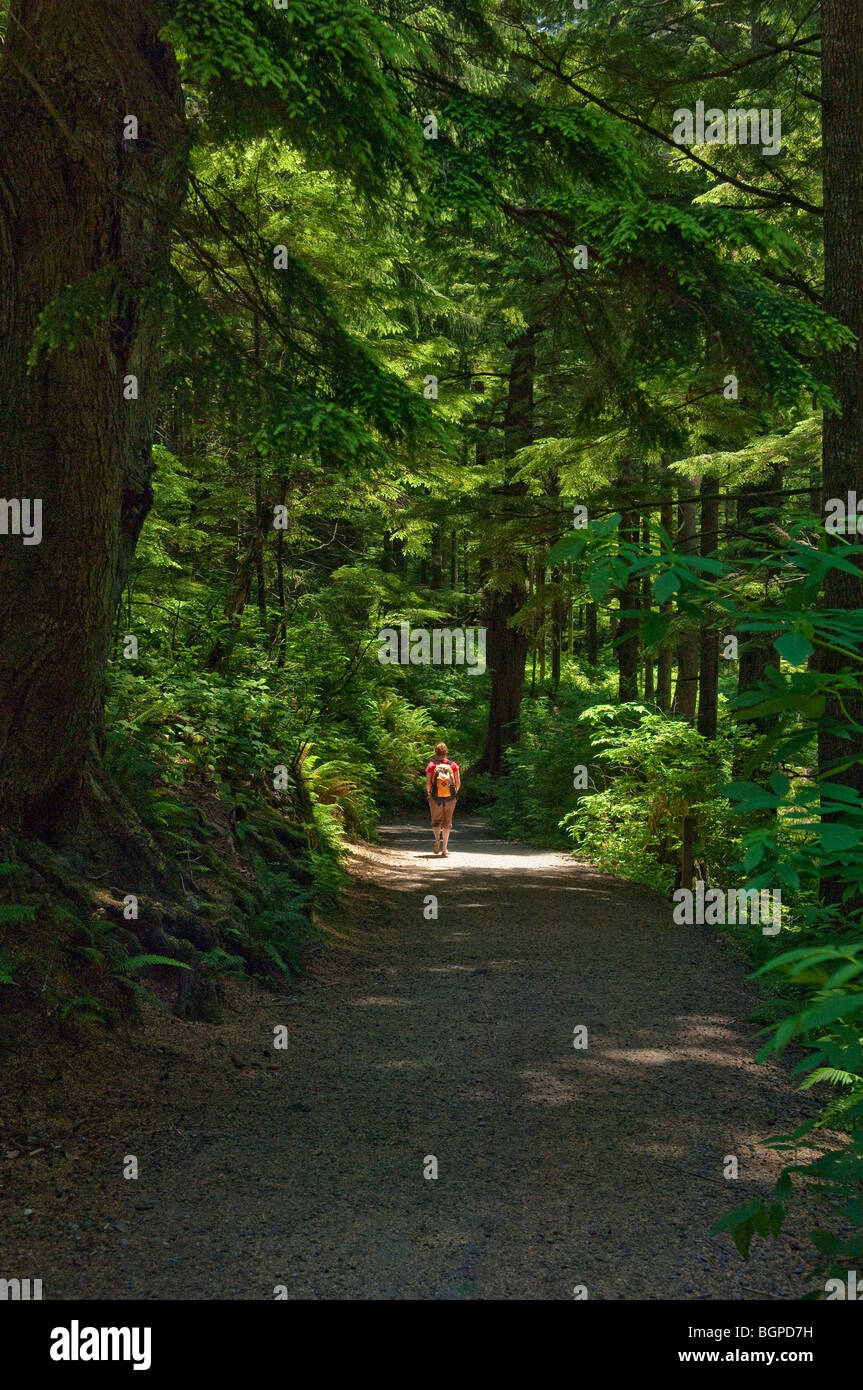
<point>15,914</point>
<point>143,961</point>
<point>7,967</point>
<point>834,1075</point>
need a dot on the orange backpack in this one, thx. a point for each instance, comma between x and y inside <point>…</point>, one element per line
<point>443,782</point>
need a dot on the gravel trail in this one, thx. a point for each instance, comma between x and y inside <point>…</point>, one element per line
<point>416,1038</point>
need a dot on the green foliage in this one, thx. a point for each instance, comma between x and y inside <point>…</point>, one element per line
<point>405,733</point>
<point>649,773</point>
<point>8,966</point>
<point>301,388</point>
<point>222,962</point>
<point>829,1023</point>
<point>145,961</point>
<point>538,790</point>
<point>80,309</point>
<point>796,829</point>
<point>341,101</point>
<point>102,950</point>
<point>16,913</point>
<point>283,927</point>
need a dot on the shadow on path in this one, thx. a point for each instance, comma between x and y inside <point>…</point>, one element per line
<point>450,1037</point>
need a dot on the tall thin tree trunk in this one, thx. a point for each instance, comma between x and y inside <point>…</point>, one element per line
<point>591,635</point>
<point>280,585</point>
<point>242,585</point>
<point>436,560</point>
<point>532,578</point>
<point>628,597</point>
<point>558,622</point>
<point>558,609</point>
<point>708,673</point>
<point>757,653</point>
<point>665,660</point>
<point>646,596</point>
<point>543,621</point>
<point>259,557</point>
<point>686,689</point>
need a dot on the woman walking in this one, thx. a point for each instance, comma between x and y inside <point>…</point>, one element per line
<point>442,783</point>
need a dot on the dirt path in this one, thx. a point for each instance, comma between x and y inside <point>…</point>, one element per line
<point>452,1037</point>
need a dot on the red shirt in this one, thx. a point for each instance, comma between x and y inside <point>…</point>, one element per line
<point>433,764</point>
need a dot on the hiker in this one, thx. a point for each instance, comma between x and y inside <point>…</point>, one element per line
<point>442,783</point>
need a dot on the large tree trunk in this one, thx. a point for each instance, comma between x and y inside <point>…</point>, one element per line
<point>81,206</point>
<point>842,87</point>
<point>506,652</point>
<point>507,645</point>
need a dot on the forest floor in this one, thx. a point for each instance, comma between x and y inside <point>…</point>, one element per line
<point>411,1037</point>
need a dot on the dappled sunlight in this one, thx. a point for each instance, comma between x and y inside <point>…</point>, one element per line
<point>449,969</point>
<point>376,1001</point>
<point>327,328</point>
<point>545,1087</point>
<point>404,1064</point>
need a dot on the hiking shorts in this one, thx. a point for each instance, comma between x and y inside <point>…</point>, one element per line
<point>441,812</point>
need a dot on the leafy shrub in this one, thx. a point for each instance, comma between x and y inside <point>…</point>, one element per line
<point>538,789</point>
<point>648,772</point>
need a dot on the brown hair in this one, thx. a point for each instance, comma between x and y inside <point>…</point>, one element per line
<point>441,750</point>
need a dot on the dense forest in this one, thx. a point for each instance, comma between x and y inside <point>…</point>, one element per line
<point>375,374</point>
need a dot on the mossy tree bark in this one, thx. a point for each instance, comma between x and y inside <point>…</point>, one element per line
<point>842,86</point>
<point>80,206</point>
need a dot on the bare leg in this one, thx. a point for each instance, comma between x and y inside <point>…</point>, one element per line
<point>445,837</point>
<point>435,828</point>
